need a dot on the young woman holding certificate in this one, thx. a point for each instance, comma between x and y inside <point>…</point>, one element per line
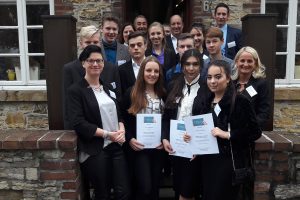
<point>235,127</point>
<point>145,97</point>
<point>179,105</point>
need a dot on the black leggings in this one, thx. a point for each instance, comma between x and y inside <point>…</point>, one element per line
<point>107,170</point>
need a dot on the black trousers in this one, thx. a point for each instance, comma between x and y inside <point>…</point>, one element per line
<point>108,170</point>
<point>147,172</point>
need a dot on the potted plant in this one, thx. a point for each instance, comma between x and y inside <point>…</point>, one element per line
<point>11,74</point>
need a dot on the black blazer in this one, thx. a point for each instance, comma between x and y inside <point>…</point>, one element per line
<point>85,116</point>
<point>74,72</point>
<point>169,44</point>
<point>260,102</point>
<point>244,128</point>
<point>233,35</point>
<point>169,58</point>
<point>126,75</point>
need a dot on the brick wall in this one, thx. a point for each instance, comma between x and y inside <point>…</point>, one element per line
<point>43,165</point>
<point>38,165</point>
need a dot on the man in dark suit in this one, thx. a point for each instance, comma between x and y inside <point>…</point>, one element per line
<point>176,25</point>
<point>74,72</point>
<point>137,46</point>
<point>112,50</point>
<point>232,36</point>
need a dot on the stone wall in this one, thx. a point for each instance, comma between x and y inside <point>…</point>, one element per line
<point>38,165</point>
<point>43,165</point>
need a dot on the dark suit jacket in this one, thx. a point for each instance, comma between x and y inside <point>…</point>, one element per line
<point>169,44</point>
<point>85,116</point>
<point>244,128</point>
<point>234,35</point>
<point>122,53</point>
<point>127,76</point>
<point>260,102</point>
<point>74,72</point>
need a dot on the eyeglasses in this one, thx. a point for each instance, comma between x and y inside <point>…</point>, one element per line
<point>92,61</point>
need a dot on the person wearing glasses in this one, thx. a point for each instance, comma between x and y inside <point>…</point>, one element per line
<point>94,114</point>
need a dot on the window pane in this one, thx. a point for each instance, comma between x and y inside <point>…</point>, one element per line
<point>34,12</point>
<point>280,7</point>
<point>9,68</point>
<point>297,67</point>
<point>8,14</point>
<point>35,41</point>
<point>281,39</point>
<point>280,67</point>
<point>37,68</point>
<point>9,42</point>
<point>298,40</point>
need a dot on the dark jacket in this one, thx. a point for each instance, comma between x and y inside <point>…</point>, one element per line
<point>233,35</point>
<point>127,76</point>
<point>260,102</point>
<point>74,72</point>
<point>85,116</point>
<point>244,128</point>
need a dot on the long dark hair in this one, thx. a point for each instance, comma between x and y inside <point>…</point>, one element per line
<point>179,82</point>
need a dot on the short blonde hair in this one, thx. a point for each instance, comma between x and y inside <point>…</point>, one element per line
<point>259,71</point>
<point>88,31</point>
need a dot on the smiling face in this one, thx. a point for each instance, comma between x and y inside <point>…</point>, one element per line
<point>93,65</point>
<point>217,80</point>
<point>176,25</point>
<point>94,39</point>
<point>246,64</point>
<point>151,73</point>
<point>127,30</point>
<point>156,35</point>
<point>110,31</point>
<point>141,24</point>
<point>221,16</point>
<point>198,37</point>
<point>213,45</point>
<point>191,69</point>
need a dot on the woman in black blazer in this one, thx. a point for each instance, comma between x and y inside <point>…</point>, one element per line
<point>96,120</point>
<point>235,122</point>
<point>157,47</point>
<point>249,78</point>
<point>145,97</point>
<point>179,105</point>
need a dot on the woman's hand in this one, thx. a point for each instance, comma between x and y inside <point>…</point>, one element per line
<point>117,136</point>
<point>160,146</point>
<point>135,145</point>
<point>167,146</point>
<point>186,137</point>
<point>217,132</point>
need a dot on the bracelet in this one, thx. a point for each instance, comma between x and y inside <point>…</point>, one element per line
<point>105,134</point>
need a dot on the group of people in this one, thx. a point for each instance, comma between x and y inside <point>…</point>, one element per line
<point>144,71</point>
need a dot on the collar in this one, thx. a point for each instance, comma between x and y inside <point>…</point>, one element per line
<point>224,28</point>
<point>194,81</point>
<point>161,54</point>
<point>134,64</point>
<point>173,37</point>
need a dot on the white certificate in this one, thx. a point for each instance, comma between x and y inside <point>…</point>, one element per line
<point>181,148</point>
<point>148,130</point>
<point>202,141</point>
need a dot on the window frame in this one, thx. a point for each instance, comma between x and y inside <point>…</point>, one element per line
<point>291,47</point>
<point>24,54</point>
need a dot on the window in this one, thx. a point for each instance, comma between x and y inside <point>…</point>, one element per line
<point>288,39</point>
<point>21,44</point>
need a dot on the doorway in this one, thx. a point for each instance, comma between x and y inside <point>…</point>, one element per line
<point>158,10</point>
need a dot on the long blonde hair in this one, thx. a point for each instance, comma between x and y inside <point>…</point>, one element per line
<point>258,72</point>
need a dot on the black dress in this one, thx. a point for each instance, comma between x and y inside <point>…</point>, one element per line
<point>217,169</point>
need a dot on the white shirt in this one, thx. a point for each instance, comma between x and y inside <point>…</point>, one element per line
<point>136,68</point>
<point>174,42</point>
<point>187,101</point>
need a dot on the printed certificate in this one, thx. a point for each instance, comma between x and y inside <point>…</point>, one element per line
<point>202,141</point>
<point>148,130</point>
<point>181,148</point>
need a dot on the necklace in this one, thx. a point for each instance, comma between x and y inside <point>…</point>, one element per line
<point>98,88</point>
